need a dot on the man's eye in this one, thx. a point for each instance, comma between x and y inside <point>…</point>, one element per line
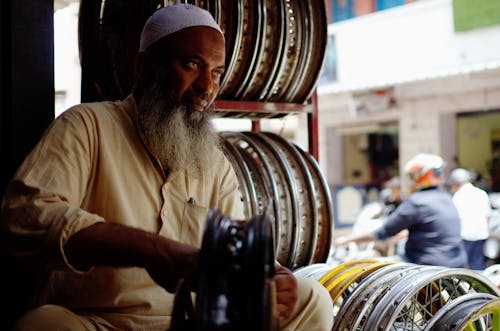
<point>218,74</point>
<point>193,65</point>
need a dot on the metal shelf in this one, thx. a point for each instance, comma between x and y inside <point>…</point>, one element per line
<point>256,111</point>
<point>259,110</point>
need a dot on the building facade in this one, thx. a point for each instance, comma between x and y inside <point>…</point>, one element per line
<point>418,77</point>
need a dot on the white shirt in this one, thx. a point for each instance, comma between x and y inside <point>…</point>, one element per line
<point>474,208</point>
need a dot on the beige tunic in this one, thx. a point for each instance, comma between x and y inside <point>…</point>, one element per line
<point>90,166</point>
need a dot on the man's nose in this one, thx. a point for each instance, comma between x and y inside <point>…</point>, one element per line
<point>205,84</point>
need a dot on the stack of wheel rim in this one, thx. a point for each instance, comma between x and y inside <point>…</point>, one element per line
<point>383,295</point>
<point>274,48</point>
<point>280,177</point>
<point>234,253</point>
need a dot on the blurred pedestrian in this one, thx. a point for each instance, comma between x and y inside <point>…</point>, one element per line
<point>392,195</point>
<point>428,214</point>
<point>474,208</point>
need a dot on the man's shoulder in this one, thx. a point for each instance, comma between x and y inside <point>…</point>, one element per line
<point>429,195</point>
<point>96,106</point>
<point>478,189</point>
<point>94,111</point>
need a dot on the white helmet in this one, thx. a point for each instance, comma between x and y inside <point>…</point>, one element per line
<point>425,170</point>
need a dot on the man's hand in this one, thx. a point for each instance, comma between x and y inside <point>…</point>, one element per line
<point>342,240</point>
<point>173,261</point>
<point>286,291</point>
<point>355,237</point>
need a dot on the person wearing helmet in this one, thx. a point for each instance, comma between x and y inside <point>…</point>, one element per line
<point>474,208</point>
<point>428,214</point>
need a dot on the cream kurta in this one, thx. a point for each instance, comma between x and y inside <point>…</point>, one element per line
<point>91,166</point>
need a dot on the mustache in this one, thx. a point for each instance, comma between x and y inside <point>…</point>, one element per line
<point>193,118</point>
<point>161,91</point>
<point>163,102</point>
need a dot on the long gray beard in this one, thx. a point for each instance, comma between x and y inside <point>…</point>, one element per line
<point>180,138</point>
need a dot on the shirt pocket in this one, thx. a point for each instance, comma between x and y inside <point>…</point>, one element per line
<point>193,223</point>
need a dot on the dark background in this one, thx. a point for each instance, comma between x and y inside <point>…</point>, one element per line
<point>26,109</point>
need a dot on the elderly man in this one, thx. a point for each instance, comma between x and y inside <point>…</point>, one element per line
<point>474,208</point>
<point>110,206</point>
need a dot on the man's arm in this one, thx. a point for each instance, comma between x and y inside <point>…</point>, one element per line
<point>357,238</point>
<point>106,244</point>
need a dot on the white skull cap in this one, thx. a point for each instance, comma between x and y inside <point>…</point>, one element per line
<point>173,18</point>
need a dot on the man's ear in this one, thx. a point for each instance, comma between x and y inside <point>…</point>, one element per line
<point>145,66</point>
<point>140,73</point>
<point>138,63</point>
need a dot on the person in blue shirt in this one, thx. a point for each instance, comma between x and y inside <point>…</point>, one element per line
<point>428,214</point>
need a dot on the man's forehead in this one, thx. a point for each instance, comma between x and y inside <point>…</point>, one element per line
<point>192,41</point>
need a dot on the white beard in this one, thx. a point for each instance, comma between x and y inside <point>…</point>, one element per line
<point>179,137</point>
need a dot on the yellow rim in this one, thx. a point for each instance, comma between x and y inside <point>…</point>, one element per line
<point>344,274</point>
<point>356,275</point>
<point>490,308</point>
<point>329,274</point>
